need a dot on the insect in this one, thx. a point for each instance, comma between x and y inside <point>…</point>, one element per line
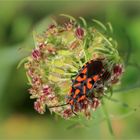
<point>84,83</point>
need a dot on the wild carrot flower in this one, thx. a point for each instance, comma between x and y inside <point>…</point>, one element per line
<point>71,67</point>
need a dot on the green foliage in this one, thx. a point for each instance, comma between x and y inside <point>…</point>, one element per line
<point>17,19</point>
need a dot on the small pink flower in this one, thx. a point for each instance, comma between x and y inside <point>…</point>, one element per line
<point>95,103</point>
<point>85,105</point>
<point>32,90</point>
<point>36,80</point>
<point>43,98</point>
<point>118,70</point>
<point>51,50</point>
<point>69,25</point>
<point>39,107</point>
<point>67,113</point>
<point>79,32</point>
<point>41,46</point>
<point>51,97</point>
<point>115,80</point>
<point>46,90</point>
<point>51,26</point>
<point>52,29</point>
<point>30,72</point>
<point>36,54</point>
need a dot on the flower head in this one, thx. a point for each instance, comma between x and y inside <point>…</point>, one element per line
<point>56,62</point>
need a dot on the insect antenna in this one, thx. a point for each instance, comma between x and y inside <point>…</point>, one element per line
<point>74,113</point>
<point>58,105</point>
<point>63,105</point>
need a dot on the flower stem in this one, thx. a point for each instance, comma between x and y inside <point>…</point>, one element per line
<point>107,118</point>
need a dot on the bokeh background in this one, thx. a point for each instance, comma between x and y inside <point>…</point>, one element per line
<point>18,120</point>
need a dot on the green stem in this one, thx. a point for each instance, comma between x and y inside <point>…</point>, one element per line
<point>107,118</point>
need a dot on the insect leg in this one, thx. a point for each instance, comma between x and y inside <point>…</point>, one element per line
<point>58,105</point>
<point>73,111</point>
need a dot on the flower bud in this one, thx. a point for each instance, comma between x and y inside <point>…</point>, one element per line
<point>36,54</point>
<point>79,32</point>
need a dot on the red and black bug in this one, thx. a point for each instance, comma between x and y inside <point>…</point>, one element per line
<point>85,82</point>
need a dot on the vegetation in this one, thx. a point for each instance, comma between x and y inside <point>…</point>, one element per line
<point>120,112</point>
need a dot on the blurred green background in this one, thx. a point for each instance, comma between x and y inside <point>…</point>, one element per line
<point>18,120</point>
